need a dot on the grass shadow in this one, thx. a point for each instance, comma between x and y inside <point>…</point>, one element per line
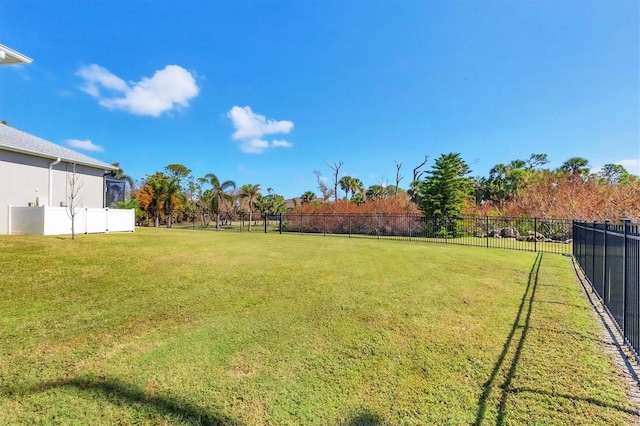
<point>118,392</point>
<point>569,305</point>
<point>593,401</point>
<point>365,418</point>
<point>488,386</point>
<point>506,387</point>
<point>574,335</point>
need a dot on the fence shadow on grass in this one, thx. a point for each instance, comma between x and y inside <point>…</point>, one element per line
<point>118,392</point>
<point>488,386</point>
<point>506,387</point>
<point>364,418</point>
<point>593,401</point>
<point>569,305</point>
<point>574,335</point>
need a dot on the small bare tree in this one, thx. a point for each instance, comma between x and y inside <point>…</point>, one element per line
<point>322,186</point>
<point>336,171</point>
<point>73,199</point>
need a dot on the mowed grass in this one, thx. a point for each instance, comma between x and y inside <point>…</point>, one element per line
<point>188,327</point>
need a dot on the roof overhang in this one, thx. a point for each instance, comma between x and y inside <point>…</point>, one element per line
<point>11,57</point>
<point>106,167</point>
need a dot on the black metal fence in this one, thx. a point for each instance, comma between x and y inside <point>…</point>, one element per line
<point>531,234</point>
<point>524,233</point>
<point>206,220</point>
<point>609,255</point>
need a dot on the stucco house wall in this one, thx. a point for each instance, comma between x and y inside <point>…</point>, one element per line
<point>24,174</point>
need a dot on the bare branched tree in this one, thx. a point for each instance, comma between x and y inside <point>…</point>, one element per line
<point>73,199</point>
<point>398,176</point>
<point>383,181</point>
<point>417,173</point>
<point>322,186</point>
<point>336,178</point>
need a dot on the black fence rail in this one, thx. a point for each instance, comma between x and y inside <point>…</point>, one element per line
<point>523,233</point>
<point>609,256</point>
<point>224,220</point>
<point>530,234</point>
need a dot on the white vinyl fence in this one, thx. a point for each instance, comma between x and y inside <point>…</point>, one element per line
<point>57,220</point>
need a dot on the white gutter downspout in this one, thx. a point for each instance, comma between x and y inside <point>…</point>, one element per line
<point>51,180</point>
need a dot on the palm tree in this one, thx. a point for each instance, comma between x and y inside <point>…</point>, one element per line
<point>156,187</point>
<point>249,191</point>
<point>218,193</point>
<point>308,197</point>
<point>576,166</point>
<point>351,185</point>
<point>376,192</point>
<point>358,198</point>
<point>356,187</point>
<point>498,177</point>
<point>345,185</point>
<point>172,191</point>
<point>126,204</point>
<point>119,174</point>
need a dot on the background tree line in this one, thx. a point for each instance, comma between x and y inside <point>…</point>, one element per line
<point>522,187</point>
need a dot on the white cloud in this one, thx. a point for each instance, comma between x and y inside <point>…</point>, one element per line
<point>86,145</point>
<point>251,127</point>
<point>254,146</point>
<point>281,143</point>
<point>170,88</point>
<point>257,145</point>
<point>632,166</point>
<point>96,76</point>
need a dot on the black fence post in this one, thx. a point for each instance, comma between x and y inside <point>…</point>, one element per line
<point>605,282</point>
<point>324,224</point>
<point>574,232</point>
<point>535,234</point>
<point>625,277</point>
<point>446,229</point>
<point>487,230</point>
<point>280,223</point>
<point>593,253</point>
<point>265,223</point>
<point>581,226</point>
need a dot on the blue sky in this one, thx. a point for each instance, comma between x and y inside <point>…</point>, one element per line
<point>266,92</point>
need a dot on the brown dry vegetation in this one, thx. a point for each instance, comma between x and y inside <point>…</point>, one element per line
<point>395,204</point>
<point>557,195</point>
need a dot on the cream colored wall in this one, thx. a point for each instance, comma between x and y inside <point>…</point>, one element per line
<point>24,179</point>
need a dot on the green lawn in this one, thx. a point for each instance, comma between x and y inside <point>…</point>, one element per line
<point>180,326</point>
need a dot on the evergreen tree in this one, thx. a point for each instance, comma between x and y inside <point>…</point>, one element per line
<point>441,195</point>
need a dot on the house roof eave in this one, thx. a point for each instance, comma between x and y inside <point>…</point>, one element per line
<point>105,166</point>
<point>9,56</point>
